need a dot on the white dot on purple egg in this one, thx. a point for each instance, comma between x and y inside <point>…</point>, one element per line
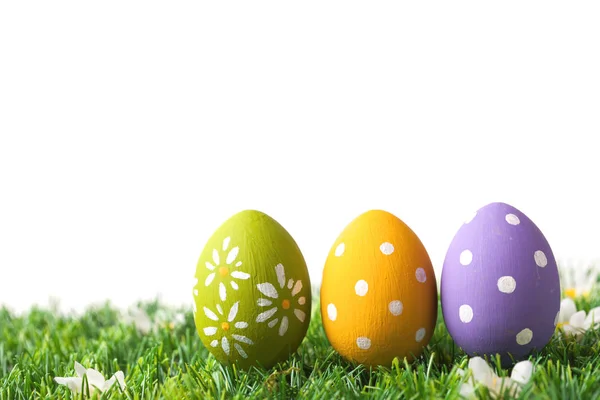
<point>512,219</point>
<point>465,312</point>
<point>525,336</point>
<point>507,284</point>
<point>466,257</point>
<point>540,259</point>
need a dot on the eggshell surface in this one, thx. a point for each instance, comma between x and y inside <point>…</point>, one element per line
<point>378,293</point>
<point>500,288</point>
<point>252,296</point>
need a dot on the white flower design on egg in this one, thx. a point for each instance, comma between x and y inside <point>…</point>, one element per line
<point>225,329</point>
<point>280,306</point>
<point>224,270</point>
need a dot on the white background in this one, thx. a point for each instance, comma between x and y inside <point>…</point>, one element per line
<point>131,130</point>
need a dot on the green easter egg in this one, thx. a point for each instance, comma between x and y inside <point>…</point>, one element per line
<point>252,297</point>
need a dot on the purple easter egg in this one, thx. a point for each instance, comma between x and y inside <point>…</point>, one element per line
<point>500,288</point>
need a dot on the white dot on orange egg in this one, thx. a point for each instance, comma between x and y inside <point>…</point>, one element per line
<point>331,312</point>
<point>421,275</point>
<point>386,248</point>
<point>396,307</point>
<point>361,288</point>
<point>420,334</point>
<point>339,250</point>
<point>363,343</point>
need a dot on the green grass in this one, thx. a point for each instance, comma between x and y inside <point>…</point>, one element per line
<point>172,363</point>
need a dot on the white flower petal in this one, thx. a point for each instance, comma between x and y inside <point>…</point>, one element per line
<point>577,320</point>
<point>226,244</point>
<point>74,384</point>
<point>241,351</point>
<point>272,323</point>
<point>262,317</point>
<point>240,275</point>
<point>263,302</point>
<point>280,271</point>
<point>481,371</point>
<point>209,279</point>
<point>268,290</point>
<point>297,287</point>
<point>467,390</point>
<point>95,378</point>
<point>210,314</point>
<point>233,311</point>
<point>284,326</point>
<point>219,309</point>
<point>290,283</point>
<point>216,259</point>
<point>302,300</point>
<point>209,266</point>
<point>238,264</point>
<point>241,325</point>
<point>80,370</point>
<point>567,309</point>
<point>522,372</point>
<point>231,256</point>
<point>209,331</point>
<point>300,314</point>
<point>234,285</point>
<point>593,319</point>
<point>242,339</point>
<point>222,292</point>
<point>225,345</point>
<point>214,343</point>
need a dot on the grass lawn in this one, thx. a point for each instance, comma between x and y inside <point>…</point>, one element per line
<point>171,363</point>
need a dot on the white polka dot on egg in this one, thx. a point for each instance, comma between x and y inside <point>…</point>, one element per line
<point>421,275</point>
<point>331,312</point>
<point>339,250</point>
<point>540,259</point>
<point>420,335</point>
<point>465,312</point>
<point>507,284</point>
<point>386,248</point>
<point>466,257</point>
<point>396,307</point>
<point>363,343</point>
<point>512,219</point>
<point>361,288</point>
<point>525,336</point>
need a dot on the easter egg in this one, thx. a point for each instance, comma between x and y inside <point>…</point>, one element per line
<point>378,293</point>
<point>252,296</point>
<point>500,289</point>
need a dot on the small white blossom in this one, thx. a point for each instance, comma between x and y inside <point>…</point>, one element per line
<point>482,374</point>
<point>95,380</point>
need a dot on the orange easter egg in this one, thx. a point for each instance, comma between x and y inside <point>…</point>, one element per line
<point>378,293</point>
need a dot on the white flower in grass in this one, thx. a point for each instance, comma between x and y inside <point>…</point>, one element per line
<point>575,323</point>
<point>95,380</point>
<point>482,374</point>
<point>570,321</point>
<point>224,269</point>
<point>274,301</point>
<point>225,328</point>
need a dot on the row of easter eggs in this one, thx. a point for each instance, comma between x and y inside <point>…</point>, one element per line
<point>500,289</point>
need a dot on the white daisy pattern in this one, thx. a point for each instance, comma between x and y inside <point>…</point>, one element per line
<point>226,267</point>
<point>225,330</point>
<point>281,304</point>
